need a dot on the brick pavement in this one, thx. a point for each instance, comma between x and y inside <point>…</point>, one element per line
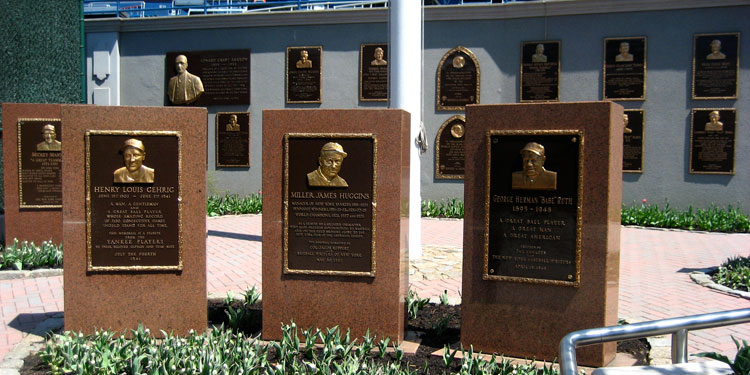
<point>654,280</point>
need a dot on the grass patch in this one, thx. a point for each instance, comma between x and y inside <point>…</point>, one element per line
<point>713,219</point>
<point>28,256</point>
<point>734,273</point>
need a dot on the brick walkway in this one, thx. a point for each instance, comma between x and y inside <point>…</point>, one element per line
<point>654,276</point>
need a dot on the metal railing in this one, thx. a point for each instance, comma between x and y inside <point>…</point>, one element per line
<point>677,327</point>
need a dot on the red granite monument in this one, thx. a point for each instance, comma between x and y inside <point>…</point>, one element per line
<point>542,228</point>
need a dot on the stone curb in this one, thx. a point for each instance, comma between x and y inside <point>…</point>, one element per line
<point>45,272</point>
<point>31,343</point>
<point>701,278</point>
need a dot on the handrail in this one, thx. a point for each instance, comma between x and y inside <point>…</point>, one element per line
<point>677,327</point>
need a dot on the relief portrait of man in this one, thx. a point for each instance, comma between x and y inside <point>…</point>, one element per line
<point>716,53</point>
<point>626,121</point>
<point>714,125</point>
<point>625,55</point>
<point>133,154</point>
<point>304,62</point>
<point>533,176</point>
<point>233,125</point>
<point>184,88</point>
<point>50,142</point>
<point>539,56</point>
<point>379,61</point>
<point>329,165</point>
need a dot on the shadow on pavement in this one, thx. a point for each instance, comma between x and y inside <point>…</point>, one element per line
<point>236,236</point>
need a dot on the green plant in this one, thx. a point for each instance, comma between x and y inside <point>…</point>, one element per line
<point>734,273</point>
<point>441,325</point>
<point>741,363</point>
<point>414,304</point>
<point>444,298</point>
<point>712,219</point>
<point>233,204</point>
<point>27,255</point>
<point>452,208</point>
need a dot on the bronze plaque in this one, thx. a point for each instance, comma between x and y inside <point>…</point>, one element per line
<point>304,74</point>
<point>133,203</point>
<point>232,139</point>
<point>373,72</point>
<point>632,138</point>
<point>624,68</point>
<point>534,188</point>
<point>716,65</point>
<point>449,149</point>
<point>329,204</point>
<point>540,71</point>
<point>457,80</point>
<point>39,163</point>
<point>712,140</point>
<point>208,77</point>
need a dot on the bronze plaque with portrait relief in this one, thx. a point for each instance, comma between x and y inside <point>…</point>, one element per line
<point>716,65</point>
<point>458,79</point>
<point>329,201</point>
<point>232,139</point>
<point>624,68</point>
<point>712,140</point>
<point>632,138</point>
<point>39,163</point>
<point>223,76</point>
<point>133,210</point>
<point>373,72</point>
<point>540,71</point>
<point>534,187</point>
<point>304,72</point>
<point>450,150</point>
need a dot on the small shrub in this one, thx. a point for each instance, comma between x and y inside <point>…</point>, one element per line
<point>713,219</point>
<point>27,256</point>
<point>734,273</point>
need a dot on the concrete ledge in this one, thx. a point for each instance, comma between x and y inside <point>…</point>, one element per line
<point>704,368</point>
<point>31,343</point>
<point>702,278</point>
<point>45,272</point>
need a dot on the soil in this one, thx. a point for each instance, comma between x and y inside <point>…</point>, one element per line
<point>437,325</point>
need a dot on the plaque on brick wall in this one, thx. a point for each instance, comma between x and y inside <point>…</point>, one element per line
<point>533,215</point>
<point>373,72</point>
<point>329,201</point>
<point>540,71</point>
<point>716,65</point>
<point>449,149</point>
<point>204,78</point>
<point>39,163</point>
<point>712,140</point>
<point>458,80</point>
<point>232,139</point>
<point>632,138</point>
<point>624,68</point>
<point>304,74</point>
<point>134,211</point>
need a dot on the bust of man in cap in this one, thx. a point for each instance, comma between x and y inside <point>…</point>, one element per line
<point>329,165</point>
<point>133,153</point>
<point>714,125</point>
<point>184,88</point>
<point>534,176</point>
<point>50,142</point>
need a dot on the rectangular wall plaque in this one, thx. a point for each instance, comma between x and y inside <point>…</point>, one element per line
<point>224,75</point>
<point>232,139</point>
<point>373,72</point>
<point>632,148</point>
<point>540,71</point>
<point>39,163</point>
<point>712,140</point>
<point>450,150</point>
<point>329,201</point>
<point>533,214</point>
<point>458,80</point>
<point>716,65</point>
<point>304,72</point>
<point>134,209</point>
<point>624,68</point>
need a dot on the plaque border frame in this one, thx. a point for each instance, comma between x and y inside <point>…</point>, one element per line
<point>438,174</point>
<point>21,205</point>
<point>643,138</point>
<point>180,262</point>
<point>216,140</point>
<point>285,204</point>
<point>736,83</point>
<point>320,74</point>
<point>734,142</point>
<point>361,64</point>
<point>604,68</point>
<point>559,64</point>
<point>579,211</point>
<point>468,52</point>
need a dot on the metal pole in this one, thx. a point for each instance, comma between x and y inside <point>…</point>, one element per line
<point>679,346</point>
<point>405,70</point>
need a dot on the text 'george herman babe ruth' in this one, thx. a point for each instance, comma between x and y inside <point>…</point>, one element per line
<point>534,176</point>
<point>133,154</point>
